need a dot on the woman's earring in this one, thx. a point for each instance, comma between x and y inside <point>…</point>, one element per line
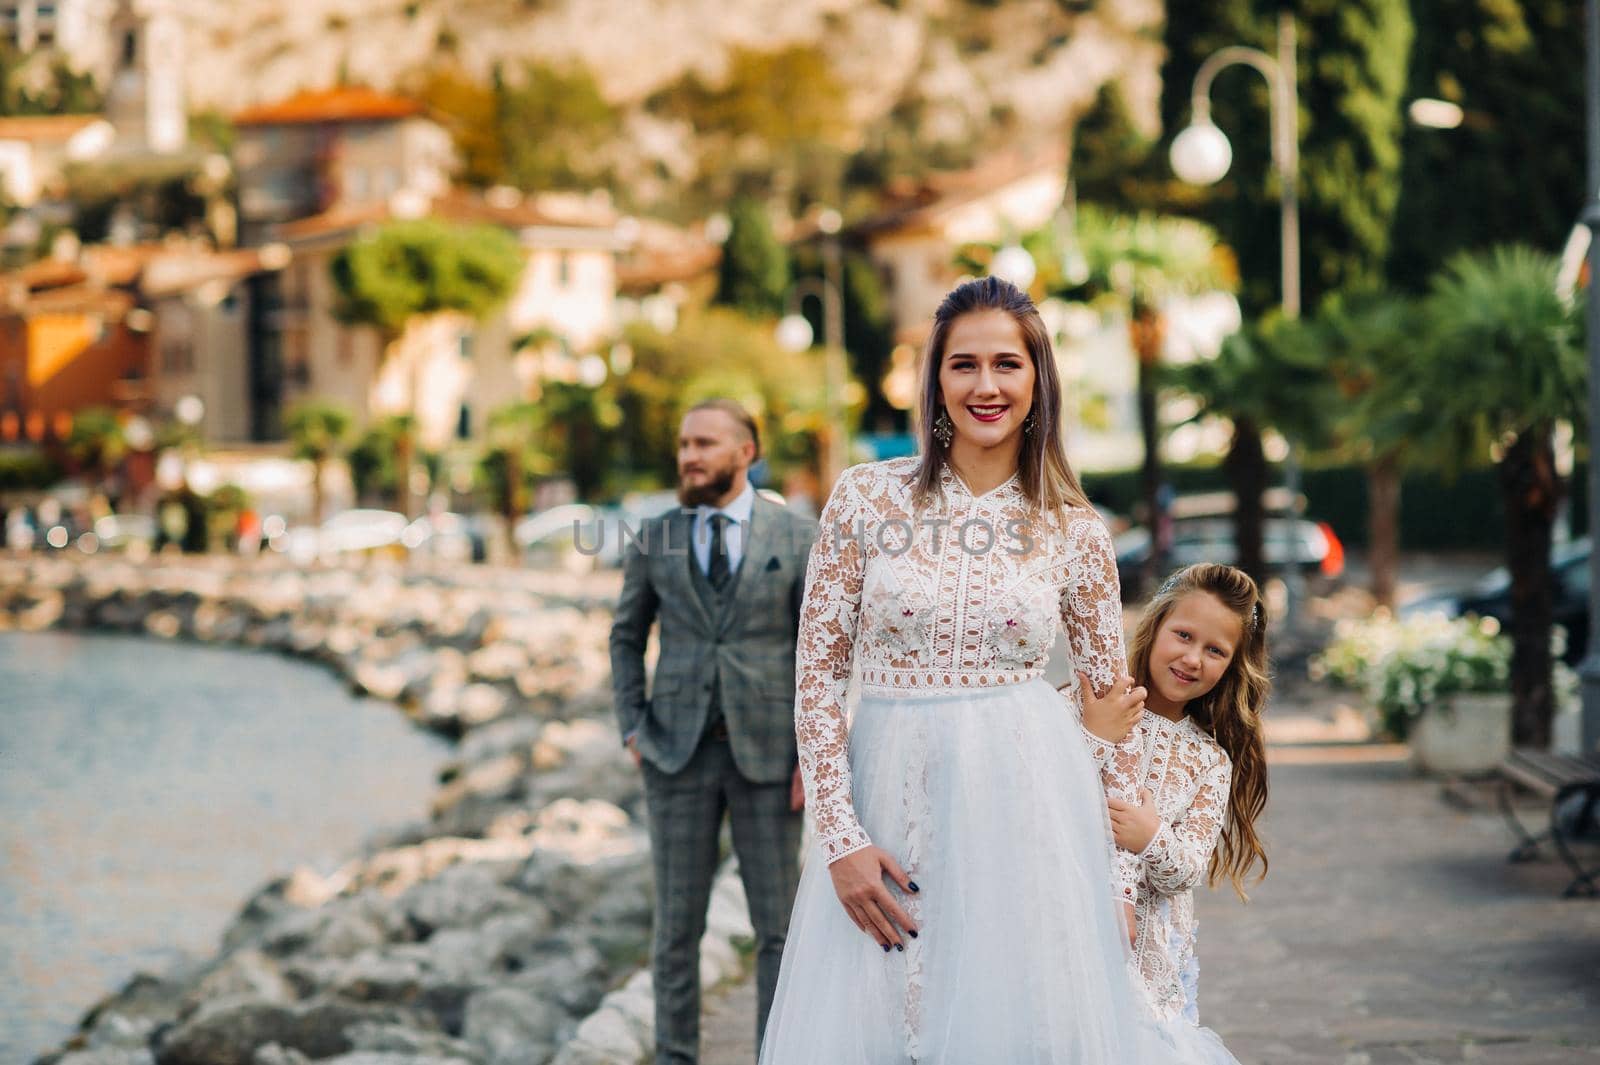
<point>1030,423</point>
<point>942,429</point>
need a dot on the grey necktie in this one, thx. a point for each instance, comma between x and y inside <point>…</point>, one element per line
<point>717,569</point>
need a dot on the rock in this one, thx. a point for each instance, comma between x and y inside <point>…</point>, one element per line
<point>466,894</point>
<point>228,1031</point>
<point>273,1054</point>
<point>504,777</point>
<point>605,1038</point>
<point>109,1056</point>
<point>512,1025</point>
<point>397,1039</point>
<point>247,973</point>
<point>479,703</point>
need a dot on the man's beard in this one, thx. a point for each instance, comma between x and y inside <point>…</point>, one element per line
<point>704,495</point>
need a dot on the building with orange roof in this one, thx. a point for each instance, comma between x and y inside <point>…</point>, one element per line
<point>449,371</point>
<point>343,148</point>
<point>135,329</point>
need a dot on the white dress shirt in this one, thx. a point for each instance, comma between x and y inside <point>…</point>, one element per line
<point>732,535</point>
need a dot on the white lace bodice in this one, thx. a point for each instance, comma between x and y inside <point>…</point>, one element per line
<point>1189,775</point>
<point>967,594</point>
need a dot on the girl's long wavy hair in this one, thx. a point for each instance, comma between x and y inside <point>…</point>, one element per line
<point>1231,711</point>
<point>1046,476</point>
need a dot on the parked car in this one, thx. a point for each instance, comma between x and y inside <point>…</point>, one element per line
<point>1202,531</point>
<point>1490,597</point>
<point>448,536</point>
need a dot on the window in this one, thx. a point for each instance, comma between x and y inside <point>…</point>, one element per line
<point>464,423</point>
<point>177,356</point>
<point>563,269</point>
<point>130,48</point>
<point>465,345</point>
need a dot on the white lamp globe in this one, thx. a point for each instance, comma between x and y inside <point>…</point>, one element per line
<point>794,333</point>
<point>1013,263</point>
<point>1201,154</point>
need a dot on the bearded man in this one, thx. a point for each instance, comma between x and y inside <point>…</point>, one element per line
<point>723,575</point>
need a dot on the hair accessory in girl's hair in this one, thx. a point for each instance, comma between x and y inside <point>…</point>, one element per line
<point>1256,616</point>
<point>1170,583</point>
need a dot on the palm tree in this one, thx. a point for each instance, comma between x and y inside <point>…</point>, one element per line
<point>1140,263</point>
<point>1504,362</point>
<point>1369,341</point>
<point>319,433</point>
<point>512,459</point>
<point>1271,375</point>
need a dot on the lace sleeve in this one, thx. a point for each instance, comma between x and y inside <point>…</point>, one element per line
<point>1091,603</point>
<point>1091,613</point>
<point>1179,854</point>
<point>822,670</point>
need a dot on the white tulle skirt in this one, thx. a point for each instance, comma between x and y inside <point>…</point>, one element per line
<point>992,804</point>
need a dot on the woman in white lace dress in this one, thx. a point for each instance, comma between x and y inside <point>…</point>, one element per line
<point>959,908</point>
<point>1197,763</point>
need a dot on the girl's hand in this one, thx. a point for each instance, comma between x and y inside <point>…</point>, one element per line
<point>1112,717</point>
<point>1132,826</point>
<point>858,881</point>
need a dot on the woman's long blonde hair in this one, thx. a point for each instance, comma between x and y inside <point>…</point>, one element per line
<point>1229,712</point>
<point>1046,476</point>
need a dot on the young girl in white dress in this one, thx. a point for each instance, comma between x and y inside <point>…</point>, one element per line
<point>1197,763</point>
<point>958,907</point>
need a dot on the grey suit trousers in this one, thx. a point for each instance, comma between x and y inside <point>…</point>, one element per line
<point>685,812</point>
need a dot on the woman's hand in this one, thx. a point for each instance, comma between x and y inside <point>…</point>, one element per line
<point>1132,826</point>
<point>1112,716</point>
<point>858,879</point>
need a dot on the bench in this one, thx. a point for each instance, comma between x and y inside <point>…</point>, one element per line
<point>1557,778</point>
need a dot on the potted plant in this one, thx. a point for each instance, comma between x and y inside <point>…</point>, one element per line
<point>1439,683</point>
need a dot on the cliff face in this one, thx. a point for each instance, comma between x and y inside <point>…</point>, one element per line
<point>1037,62</point>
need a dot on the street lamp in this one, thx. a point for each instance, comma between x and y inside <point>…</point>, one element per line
<point>794,334</point>
<point>1201,154</point>
<point>1589,670</point>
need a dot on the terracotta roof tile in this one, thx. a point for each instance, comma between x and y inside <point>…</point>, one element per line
<point>45,127</point>
<point>344,104</point>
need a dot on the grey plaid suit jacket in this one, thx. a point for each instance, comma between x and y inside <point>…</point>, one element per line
<point>748,646</point>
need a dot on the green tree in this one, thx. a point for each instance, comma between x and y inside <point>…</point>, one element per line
<point>1139,263</point>
<point>718,352</point>
<point>512,460</point>
<point>1272,375</point>
<point>421,267</point>
<point>96,443</point>
<point>381,460</point>
<point>578,434</point>
<point>553,125</point>
<point>1352,59</point>
<point>774,127</point>
<point>43,83</point>
<point>319,433</point>
<point>1368,342</point>
<point>1513,171</point>
<point>1502,363</point>
<point>753,276</point>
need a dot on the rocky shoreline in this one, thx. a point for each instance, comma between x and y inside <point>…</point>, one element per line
<point>509,928</point>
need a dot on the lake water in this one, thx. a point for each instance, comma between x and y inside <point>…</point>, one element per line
<point>147,788</point>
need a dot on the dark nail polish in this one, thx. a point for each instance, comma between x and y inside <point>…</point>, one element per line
<point>901,947</point>
<point>886,948</point>
<point>913,935</point>
<point>912,884</point>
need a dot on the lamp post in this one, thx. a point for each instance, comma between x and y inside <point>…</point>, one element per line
<point>1589,670</point>
<point>795,334</point>
<point>1201,154</point>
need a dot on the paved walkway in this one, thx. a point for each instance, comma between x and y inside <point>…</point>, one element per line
<point>1390,932</point>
